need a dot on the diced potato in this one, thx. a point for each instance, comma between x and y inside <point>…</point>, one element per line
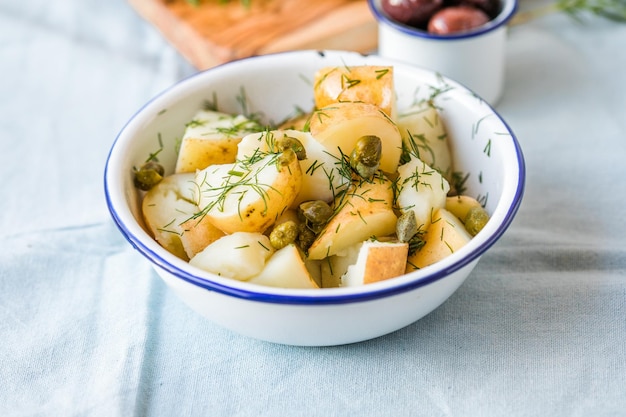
<point>377,261</point>
<point>285,269</point>
<point>321,179</point>
<point>211,138</point>
<point>340,125</point>
<point>460,205</point>
<point>287,215</point>
<point>334,267</point>
<point>424,135</point>
<point>422,190</point>
<point>315,269</point>
<point>170,212</point>
<point>197,234</point>
<point>445,235</point>
<point>365,211</point>
<point>365,83</point>
<point>250,195</point>
<point>166,206</point>
<point>240,256</point>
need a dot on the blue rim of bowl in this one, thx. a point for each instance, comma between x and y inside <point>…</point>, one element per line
<point>304,299</point>
<point>501,19</point>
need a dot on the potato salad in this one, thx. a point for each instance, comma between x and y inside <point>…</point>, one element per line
<point>353,192</point>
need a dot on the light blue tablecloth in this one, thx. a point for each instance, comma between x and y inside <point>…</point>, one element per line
<point>88,329</point>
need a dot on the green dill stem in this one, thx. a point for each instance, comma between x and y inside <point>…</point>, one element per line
<point>609,9</point>
<point>528,15</point>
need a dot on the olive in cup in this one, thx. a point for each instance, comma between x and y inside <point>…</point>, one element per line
<point>442,17</point>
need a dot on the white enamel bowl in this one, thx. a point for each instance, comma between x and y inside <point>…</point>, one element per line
<point>484,147</point>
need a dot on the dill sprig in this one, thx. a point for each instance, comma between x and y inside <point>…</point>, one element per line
<point>153,157</point>
<point>417,241</point>
<point>457,183</point>
<point>241,179</point>
<point>414,146</point>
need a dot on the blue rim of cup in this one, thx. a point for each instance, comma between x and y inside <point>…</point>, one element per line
<point>507,12</point>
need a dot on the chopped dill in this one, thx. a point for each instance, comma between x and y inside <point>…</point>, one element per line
<point>381,73</point>
<point>347,83</point>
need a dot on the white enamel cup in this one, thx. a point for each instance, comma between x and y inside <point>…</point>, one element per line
<point>474,58</point>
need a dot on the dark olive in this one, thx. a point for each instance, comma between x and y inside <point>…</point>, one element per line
<point>491,7</point>
<point>456,19</point>
<point>414,13</point>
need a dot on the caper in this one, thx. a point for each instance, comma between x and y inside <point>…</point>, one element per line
<point>306,237</point>
<point>406,226</point>
<point>284,234</point>
<point>365,171</point>
<point>316,212</point>
<point>149,175</point>
<point>286,157</point>
<point>365,158</point>
<point>155,166</point>
<point>287,142</point>
<point>475,220</point>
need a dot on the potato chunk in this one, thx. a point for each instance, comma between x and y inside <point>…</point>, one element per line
<point>240,256</point>
<point>445,235</point>
<point>377,261</point>
<point>339,126</point>
<point>250,195</point>
<point>424,135</point>
<point>422,190</point>
<point>211,138</point>
<point>365,211</point>
<point>198,233</point>
<point>363,83</point>
<point>321,179</point>
<point>165,207</point>
<point>335,266</point>
<point>460,205</point>
<point>285,269</point>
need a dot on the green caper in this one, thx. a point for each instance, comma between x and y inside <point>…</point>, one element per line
<point>306,237</point>
<point>149,175</point>
<point>365,171</point>
<point>406,226</point>
<point>287,142</point>
<point>155,166</point>
<point>284,234</point>
<point>475,220</point>
<point>316,212</point>
<point>365,158</point>
<point>286,157</point>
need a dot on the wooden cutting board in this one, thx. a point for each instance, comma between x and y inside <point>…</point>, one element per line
<point>215,32</point>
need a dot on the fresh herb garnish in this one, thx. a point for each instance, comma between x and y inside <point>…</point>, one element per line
<point>610,9</point>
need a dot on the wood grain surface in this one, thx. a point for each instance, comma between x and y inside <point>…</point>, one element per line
<point>215,32</point>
